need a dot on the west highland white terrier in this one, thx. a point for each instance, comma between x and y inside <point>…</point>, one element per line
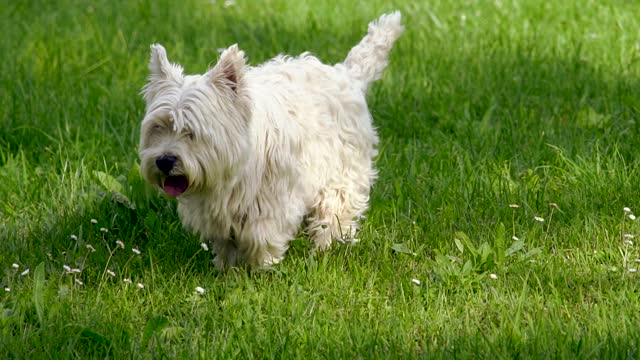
<point>253,153</point>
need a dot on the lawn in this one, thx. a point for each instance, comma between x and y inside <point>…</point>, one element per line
<point>501,225</point>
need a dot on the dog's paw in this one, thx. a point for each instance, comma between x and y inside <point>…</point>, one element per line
<point>350,240</point>
<point>270,261</point>
<point>219,263</point>
<point>322,240</point>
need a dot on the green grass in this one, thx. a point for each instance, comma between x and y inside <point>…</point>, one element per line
<point>484,104</point>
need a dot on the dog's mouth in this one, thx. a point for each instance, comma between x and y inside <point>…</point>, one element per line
<point>175,185</point>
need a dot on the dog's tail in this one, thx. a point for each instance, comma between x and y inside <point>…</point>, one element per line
<point>366,61</point>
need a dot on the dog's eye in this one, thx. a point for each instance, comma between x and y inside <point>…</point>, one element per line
<point>156,128</point>
<point>190,135</point>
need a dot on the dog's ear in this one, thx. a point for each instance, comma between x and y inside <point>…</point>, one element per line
<point>229,70</point>
<point>159,64</point>
<point>160,70</point>
<point>160,67</point>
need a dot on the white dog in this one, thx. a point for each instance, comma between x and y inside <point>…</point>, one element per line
<point>251,153</point>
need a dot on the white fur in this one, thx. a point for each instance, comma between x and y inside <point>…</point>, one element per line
<point>267,148</point>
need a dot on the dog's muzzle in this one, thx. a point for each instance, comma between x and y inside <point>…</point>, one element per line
<point>172,184</point>
<point>166,163</point>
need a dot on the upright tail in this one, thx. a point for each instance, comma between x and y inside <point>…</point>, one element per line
<point>366,61</point>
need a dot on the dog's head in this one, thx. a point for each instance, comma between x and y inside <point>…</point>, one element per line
<point>194,132</point>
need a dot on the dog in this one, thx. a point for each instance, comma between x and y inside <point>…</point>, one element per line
<point>252,154</point>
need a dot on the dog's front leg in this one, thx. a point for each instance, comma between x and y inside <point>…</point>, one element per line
<point>227,253</point>
<point>263,242</point>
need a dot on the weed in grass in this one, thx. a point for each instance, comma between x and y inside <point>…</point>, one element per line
<point>627,245</point>
<point>475,262</point>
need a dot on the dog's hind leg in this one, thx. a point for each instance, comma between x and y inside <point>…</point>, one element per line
<point>335,216</point>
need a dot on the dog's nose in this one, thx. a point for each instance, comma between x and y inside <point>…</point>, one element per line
<point>165,163</point>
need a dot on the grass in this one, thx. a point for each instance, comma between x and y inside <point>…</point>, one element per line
<point>485,104</point>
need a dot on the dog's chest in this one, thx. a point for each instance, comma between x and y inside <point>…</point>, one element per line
<point>211,220</point>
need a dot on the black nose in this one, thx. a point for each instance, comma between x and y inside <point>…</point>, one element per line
<point>165,163</point>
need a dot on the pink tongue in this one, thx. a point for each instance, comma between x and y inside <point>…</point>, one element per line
<point>175,185</point>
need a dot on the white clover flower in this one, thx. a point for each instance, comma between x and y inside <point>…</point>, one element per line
<point>493,276</point>
<point>73,237</point>
<point>199,290</point>
<point>632,270</point>
<point>632,217</point>
<point>229,3</point>
<point>7,289</point>
<point>15,266</point>
<point>554,205</point>
<point>514,206</point>
<point>104,230</point>
<point>76,271</point>
<point>416,281</point>
<point>628,236</point>
<point>538,218</point>
<point>637,260</point>
<point>626,209</point>
<point>120,243</point>
<point>140,285</point>
<point>136,251</point>
<point>79,282</point>
<point>66,268</point>
<point>515,238</point>
<point>111,273</point>
<point>90,247</point>
<point>204,246</point>
<point>628,242</point>
<point>127,280</point>
<point>24,272</point>
<point>94,221</point>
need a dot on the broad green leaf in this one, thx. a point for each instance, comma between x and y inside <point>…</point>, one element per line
<point>459,245</point>
<point>515,247</point>
<point>464,239</point>
<point>468,267</point>
<point>113,186</point>
<point>533,252</point>
<point>94,337</point>
<point>499,239</point>
<point>402,248</point>
<point>155,325</point>
<point>108,182</point>
<point>38,291</point>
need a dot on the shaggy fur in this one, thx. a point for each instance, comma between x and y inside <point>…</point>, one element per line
<point>252,153</point>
